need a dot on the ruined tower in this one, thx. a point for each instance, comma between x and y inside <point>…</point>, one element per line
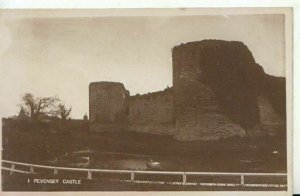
<point>197,111</point>
<point>108,108</point>
<point>219,91</point>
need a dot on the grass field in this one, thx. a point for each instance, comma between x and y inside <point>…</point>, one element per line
<point>231,155</point>
<point>255,154</point>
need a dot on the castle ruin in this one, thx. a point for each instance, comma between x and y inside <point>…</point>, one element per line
<point>219,91</point>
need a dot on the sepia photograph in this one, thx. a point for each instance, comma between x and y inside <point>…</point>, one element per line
<point>145,99</point>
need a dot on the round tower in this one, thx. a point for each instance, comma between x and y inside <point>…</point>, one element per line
<point>108,106</point>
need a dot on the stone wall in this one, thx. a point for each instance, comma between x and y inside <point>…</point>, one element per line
<point>270,120</point>
<point>197,110</point>
<point>108,108</point>
<point>152,113</point>
<point>112,109</point>
<point>219,91</point>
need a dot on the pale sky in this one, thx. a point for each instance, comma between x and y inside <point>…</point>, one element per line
<point>60,56</point>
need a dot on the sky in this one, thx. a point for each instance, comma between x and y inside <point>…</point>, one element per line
<point>60,55</point>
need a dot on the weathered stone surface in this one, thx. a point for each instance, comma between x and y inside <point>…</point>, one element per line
<point>272,105</point>
<point>112,109</point>
<point>199,116</point>
<point>152,113</point>
<point>108,106</point>
<point>273,88</point>
<point>218,91</point>
<point>271,122</point>
<point>203,79</point>
<point>232,103</point>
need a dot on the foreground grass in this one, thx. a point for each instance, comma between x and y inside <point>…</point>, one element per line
<point>231,155</point>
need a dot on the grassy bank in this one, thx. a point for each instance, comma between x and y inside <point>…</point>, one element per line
<point>230,155</point>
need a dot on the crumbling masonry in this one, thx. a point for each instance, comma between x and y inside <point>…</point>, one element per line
<point>218,91</point>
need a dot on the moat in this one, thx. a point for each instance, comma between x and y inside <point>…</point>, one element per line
<point>209,161</point>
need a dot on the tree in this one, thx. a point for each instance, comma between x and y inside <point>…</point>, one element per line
<point>63,111</point>
<point>36,107</point>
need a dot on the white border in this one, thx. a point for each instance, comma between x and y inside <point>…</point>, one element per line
<point>144,3</point>
<point>25,4</point>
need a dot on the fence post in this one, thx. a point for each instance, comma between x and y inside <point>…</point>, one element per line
<point>132,176</point>
<point>31,170</point>
<point>184,178</point>
<point>55,171</point>
<point>12,167</point>
<point>242,180</point>
<point>89,176</point>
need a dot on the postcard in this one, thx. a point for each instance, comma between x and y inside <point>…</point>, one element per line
<point>143,100</point>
